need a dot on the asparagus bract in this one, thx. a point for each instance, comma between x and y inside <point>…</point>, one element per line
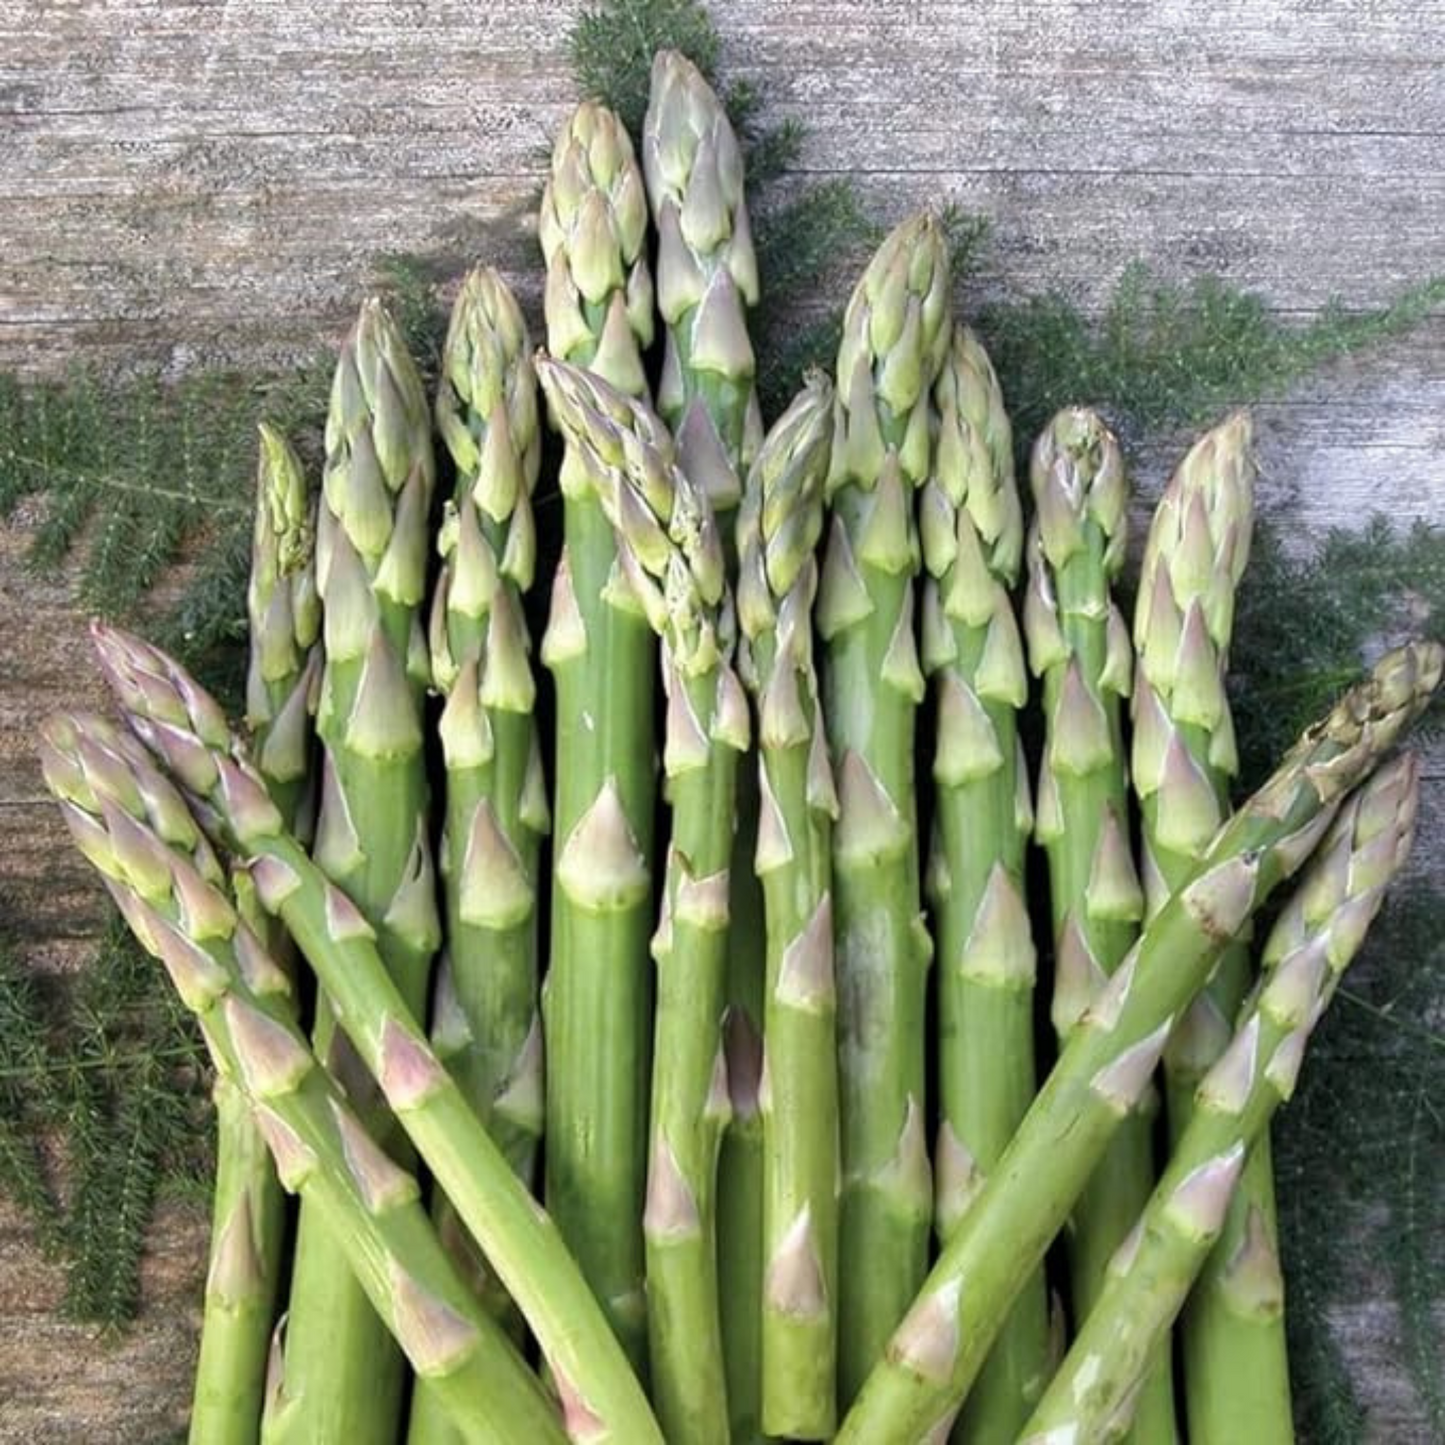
<point>778,529</point>
<point>935,1353</point>
<point>707,277</point>
<point>896,332</point>
<point>248,1217</point>
<point>1184,756</point>
<point>1092,1397</point>
<point>596,1005</point>
<point>971,529</point>
<point>486,1027</point>
<point>372,836</point>
<point>184,727</point>
<point>1079,646</point>
<point>671,552</point>
<point>136,830</point>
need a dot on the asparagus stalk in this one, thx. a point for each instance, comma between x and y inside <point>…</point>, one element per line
<point>596,1009</point>
<point>896,332</point>
<point>248,1219</point>
<point>1092,1396</point>
<point>778,530</point>
<point>185,728</point>
<point>1184,756</point>
<point>936,1352</point>
<point>707,276</point>
<point>486,1026</point>
<point>971,528</point>
<point>671,552</point>
<point>1079,646</point>
<point>136,830</point>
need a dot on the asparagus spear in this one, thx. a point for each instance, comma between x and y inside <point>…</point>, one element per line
<point>134,827</point>
<point>935,1353</point>
<point>596,1009</point>
<point>185,729</point>
<point>486,1029</point>
<point>1079,646</point>
<point>896,332</point>
<point>1184,756</point>
<point>248,1220</point>
<point>778,530</point>
<point>971,528</point>
<point>671,552</point>
<point>342,1373</point>
<point>1092,1396</point>
<point>706,276</point>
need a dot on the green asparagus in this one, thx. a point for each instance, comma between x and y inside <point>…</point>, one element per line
<point>778,529</point>
<point>184,727</point>
<point>133,826</point>
<point>596,1003</point>
<point>1092,1397</point>
<point>971,529</point>
<point>936,1352</point>
<point>1184,755</point>
<point>671,552</point>
<point>896,333</point>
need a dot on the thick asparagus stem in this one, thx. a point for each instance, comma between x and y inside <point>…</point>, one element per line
<point>248,1219</point>
<point>896,332</point>
<point>136,830</point>
<point>185,728</point>
<point>1184,755</point>
<point>1079,646</point>
<point>672,555</point>
<point>596,1001</point>
<point>971,528</point>
<point>1092,1397</point>
<point>778,529</point>
<point>935,1354</point>
<point>707,276</point>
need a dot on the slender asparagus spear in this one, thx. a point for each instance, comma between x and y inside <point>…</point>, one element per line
<point>971,528</point>
<point>706,276</point>
<point>136,830</point>
<point>342,1377</point>
<point>936,1352</point>
<point>248,1219</point>
<point>896,333</point>
<point>778,530</point>
<point>671,552</point>
<point>487,1029</point>
<point>1184,756</point>
<point>1092,1396</point>
<point>185,729</point>
<point>1079,646</point>
<point>596,1008</point>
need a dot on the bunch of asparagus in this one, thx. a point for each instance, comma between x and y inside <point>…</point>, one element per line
<point>726,1209</point>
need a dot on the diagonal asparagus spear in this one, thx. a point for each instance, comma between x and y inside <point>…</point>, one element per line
<point>669,547</point>
<point>596,1006</point>
<point>1079,646</point>
<point>971,528</point>
<point>896,332</point>
<point>706,278</point>
<point>486,1027</point>
<point>342,1377</point>
<point>248,1221</point>
<point>1184,755</point>
<point>184,727</point>
<point>136,830</point>
<point>1092,1397</point>
<point>936,1352</point>
<point>778,530</point>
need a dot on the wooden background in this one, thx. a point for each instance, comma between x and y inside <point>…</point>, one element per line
<point>184,183</point>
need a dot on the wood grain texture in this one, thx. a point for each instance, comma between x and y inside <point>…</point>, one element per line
<point>188,183</point>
